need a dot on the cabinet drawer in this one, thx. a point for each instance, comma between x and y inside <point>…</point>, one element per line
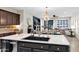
<point>22,49</point>
<point>33,45</point>
<point>39,50</point>
<point>59,48</point>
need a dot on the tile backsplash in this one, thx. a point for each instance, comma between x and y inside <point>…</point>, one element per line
<point>9,28</point>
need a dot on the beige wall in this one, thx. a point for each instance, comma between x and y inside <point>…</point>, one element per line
<point>75,23</point>
<point>26,19</point>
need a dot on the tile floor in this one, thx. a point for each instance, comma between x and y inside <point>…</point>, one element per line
<point>74,44</point>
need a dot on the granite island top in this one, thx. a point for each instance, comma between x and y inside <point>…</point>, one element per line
<point>54,39</point>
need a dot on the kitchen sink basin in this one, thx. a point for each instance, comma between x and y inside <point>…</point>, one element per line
<point>36,38</point>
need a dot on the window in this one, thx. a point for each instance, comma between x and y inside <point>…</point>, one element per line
<point>50,23</point>
<point>62,23</point>
<point>58,23</point>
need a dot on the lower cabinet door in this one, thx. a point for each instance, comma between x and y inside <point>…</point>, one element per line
<point>0,44</point>
<point>59,48</point>
<point>22,49</point>
<point>39,50</point>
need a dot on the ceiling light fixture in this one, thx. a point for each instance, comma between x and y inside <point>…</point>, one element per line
<point>46,17</point>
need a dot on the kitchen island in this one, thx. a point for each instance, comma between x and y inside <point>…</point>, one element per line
<point>56,43</point>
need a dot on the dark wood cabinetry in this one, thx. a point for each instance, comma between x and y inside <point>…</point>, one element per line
<point>3,17</point>
<point>32,47</point>
<point>41,47</point>
<point>59,48</point>
<point>9,18</point>
<point>0,44</point>
<point>16,18</point>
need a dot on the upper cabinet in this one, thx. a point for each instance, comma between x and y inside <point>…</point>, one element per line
<point>16,19</point>
<point>3,17</point>
<point>9,18</point>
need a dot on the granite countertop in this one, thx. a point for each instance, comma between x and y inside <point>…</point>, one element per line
<point>54,39</point>
<point>5,32</point>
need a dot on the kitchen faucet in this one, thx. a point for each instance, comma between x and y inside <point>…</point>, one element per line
<point>32,31</point>
<point>37,31</point>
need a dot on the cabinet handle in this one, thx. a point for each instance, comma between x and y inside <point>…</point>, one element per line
<point>41,46</point>
<point>58,48</point>
<point>23,44</point>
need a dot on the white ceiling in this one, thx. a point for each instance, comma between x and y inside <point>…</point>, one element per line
<point>58,11</point>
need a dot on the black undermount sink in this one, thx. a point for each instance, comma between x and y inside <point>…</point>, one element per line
<point>36,38</point>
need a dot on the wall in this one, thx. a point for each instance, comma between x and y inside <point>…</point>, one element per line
<point>75,23</point>
<point>61,18</point>
<point>26,19</point>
